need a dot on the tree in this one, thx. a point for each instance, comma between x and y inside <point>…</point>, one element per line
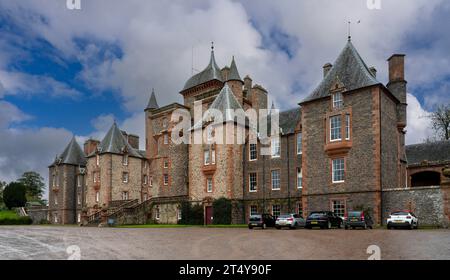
<point>222,211</point>
<point>34,185</point>
<point>440,120</point>
<point>2,187</point>
<point>14,195</point>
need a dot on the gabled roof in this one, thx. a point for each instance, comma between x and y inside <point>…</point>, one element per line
<point>234,73</point>
<point>434,152</point>
<point>115,143</point>
<point>224,102</point>
<point>348,69</point>
<point>152,104</point>
<point>211,72</point>
<point>72,154</point>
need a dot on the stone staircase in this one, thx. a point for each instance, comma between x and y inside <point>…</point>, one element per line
<point>102,216</point>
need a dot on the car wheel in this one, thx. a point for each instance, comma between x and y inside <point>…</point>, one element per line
<point>411,226</point>
<point>365,226</point>
<point>264,226</point>
<point>250,227</point>
<point>329,225</point>
<point>278,227</point>
<point>339,225</point>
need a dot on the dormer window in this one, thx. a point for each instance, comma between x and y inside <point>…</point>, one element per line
<point>338,100</point>
<point>125,160</point>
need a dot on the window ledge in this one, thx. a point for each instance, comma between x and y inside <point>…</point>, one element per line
<point>338,147</point>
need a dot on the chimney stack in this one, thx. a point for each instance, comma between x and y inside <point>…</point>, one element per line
<point>396,68</point>
<point>247,83</point>
<point>326,68</point>
<point>373,70</point>
<point>397,85</point>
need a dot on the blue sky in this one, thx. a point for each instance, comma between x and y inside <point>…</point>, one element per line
<point>72,72</point>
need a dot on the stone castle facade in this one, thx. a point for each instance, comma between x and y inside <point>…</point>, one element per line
<point>342,148</point>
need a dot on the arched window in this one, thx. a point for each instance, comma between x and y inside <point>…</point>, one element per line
<point>425,178</point>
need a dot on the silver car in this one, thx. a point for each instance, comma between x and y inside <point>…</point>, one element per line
<point>289,220</point>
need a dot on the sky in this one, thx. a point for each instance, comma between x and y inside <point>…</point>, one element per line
<point>66,72</point>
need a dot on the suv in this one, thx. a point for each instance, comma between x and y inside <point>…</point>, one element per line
<point>355,219</point>
<point>402,219</point>
<point>323,219</point>
<point>261,220</point>
<point>291,221</point>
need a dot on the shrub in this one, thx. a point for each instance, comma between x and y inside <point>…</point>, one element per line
<point>14,195</point>
<point>16,221</point>
<point>191,214</point>
<point>44,222</point>
<point>222,211</point>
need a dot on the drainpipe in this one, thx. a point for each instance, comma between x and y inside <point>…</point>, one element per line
<point>244,175</point>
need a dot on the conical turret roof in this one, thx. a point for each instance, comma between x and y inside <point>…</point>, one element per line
<point>72,154</point>
<point>211,72</point>
<point>115,143</point>
<point>234,73</point>
<point>152,103</point>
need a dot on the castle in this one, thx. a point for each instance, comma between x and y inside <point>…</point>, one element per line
<point>342,148</point>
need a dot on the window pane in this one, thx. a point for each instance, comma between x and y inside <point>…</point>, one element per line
<point>253,210</point>
<point>299,143</point>
<point>338,207</point>
<point>347,126</point>
<point>253,152</point>
<point>276,211</point>
<point>337,100</point>
<point>338,170</point>
<point>275,179</point>
<point>335,128</point>
<point>275,145</point>
<point>252,182</point>
<point>299,178</point>
<point>206,155</point>
<point>209,185</point>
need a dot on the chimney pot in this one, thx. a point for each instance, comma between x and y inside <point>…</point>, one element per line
<point>326,68</point>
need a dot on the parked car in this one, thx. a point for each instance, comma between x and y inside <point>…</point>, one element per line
<point>261,220</point>
<point>323,219</point>
<point>291,221</point>
<point>402,219</point>
<point>355,219</point>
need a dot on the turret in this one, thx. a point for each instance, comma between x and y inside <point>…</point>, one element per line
<point>235,82</point>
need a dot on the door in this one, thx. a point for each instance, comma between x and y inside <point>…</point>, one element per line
<point>208,215</point>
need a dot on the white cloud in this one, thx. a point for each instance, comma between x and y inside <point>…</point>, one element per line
<point>418,122</point>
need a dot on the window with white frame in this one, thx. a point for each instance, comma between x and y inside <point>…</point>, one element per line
<point>157,213</point>
<point>165,122</point>
<point>145,179</point>
<point>275,146</point>
<point>213,154</point>
<point>125,177</point>
<point>206,157</point>
<point>166,138</point>
<point>338,100</point>
<point>276,210</point>
<point>299,143</point>
<point>253,152</point>
<point>55,219</point>
<point>299,178</point>
<point>253,184</point>
<point>96,177</point>
<point>54,180</point>
<point>166,179</point>
<point>125,159</point>
<point>338,170</point>
<point>179,214</point>
<point>97,197</point>
<point>253,210</point>
<point>56,199</point>
<point>79,198</point>
<point>97,160</point>
<point>151,181</point>
<point>338,207</point>
<point>275,175</point>
<point>124,195</point>
<point>209,185</point>
<point>166,163</point>
<point>347,126</point>
<point>79,218</point>
<point>79,180</point>
<point>335,128</point>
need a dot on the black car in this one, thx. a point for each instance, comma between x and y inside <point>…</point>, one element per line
<point>356,219</point>
<point>323,219</point>
<point>261,220</point>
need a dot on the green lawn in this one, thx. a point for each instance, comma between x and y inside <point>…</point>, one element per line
<point>180,226</point>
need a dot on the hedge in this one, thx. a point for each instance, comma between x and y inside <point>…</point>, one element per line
<point>16,221</point>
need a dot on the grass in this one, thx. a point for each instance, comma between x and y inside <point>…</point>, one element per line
<point>9,217</point>
<point>180,226</point>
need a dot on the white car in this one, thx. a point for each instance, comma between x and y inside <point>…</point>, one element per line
<point>291,221</point>
<point>402,219</point>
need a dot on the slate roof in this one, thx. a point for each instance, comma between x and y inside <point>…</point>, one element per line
<point>223,102</point>
<point>434,152</point>
<point>152,104</point>
<point>288,120</point>
<point>115,143</point>
<point>349,69</point>
<point>234,73</point>
<point>72,154</point>
<point>211,72</point>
